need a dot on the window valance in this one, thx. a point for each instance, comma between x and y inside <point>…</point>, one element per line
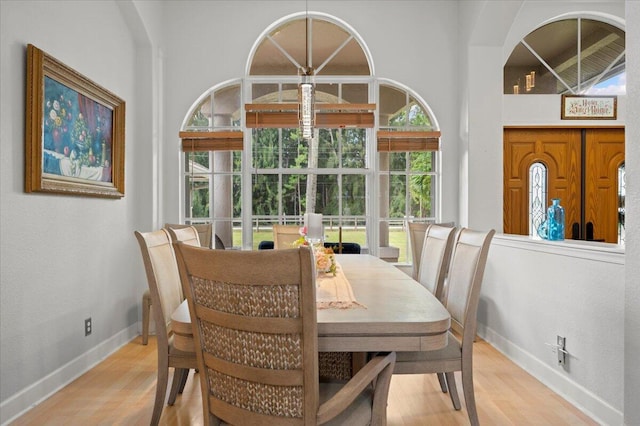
<point>212,141</point>
<point>392,141</point>
<point>327,116</point>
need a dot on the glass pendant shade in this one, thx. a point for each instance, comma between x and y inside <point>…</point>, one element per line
<point>306,111</point>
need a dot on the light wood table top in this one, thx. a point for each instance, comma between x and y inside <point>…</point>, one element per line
<point>400,314</point>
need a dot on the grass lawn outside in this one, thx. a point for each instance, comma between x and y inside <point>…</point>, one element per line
<point>397,238</point>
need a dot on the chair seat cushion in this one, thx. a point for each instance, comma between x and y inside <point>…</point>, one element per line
<point>358,413</point>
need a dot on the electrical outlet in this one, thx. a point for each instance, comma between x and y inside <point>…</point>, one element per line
<point>87,326</point>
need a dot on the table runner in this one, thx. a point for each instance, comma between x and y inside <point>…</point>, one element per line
<point>335,292</point>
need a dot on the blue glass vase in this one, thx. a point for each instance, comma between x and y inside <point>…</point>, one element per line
<point>555,221</point>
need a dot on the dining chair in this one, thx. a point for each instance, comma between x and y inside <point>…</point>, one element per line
<point>417,231</point>
<point>265,245</point>
<point>343,248</point>
<point>166,294</point>
<point>204,239</point>
<point>256,338</point>
<point>435,256</point>
<point>188,235</point>
<point>460,297</point>
<point>285,235</point>
<point>205,231</point>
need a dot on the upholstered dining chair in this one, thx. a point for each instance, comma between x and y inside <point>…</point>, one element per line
<point>188,235</point>
<point>204,239</point>
<point>285,235</point>
<point>417,231</point>
<point>208,238</point>
<point>166,294</point>
<point>205,231</point>
<point>461,295</point>
<point>270,308</point>
<point>435,256</point>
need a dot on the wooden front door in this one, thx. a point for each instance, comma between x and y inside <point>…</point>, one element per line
<point>559,151</point>
<point>582,171</point>
<point>603,157</point>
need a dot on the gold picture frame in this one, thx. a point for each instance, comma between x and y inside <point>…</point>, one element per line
<point>587,107</point>
<point>74,135</point>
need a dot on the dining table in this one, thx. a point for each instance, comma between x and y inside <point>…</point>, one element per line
<point>391,312</point>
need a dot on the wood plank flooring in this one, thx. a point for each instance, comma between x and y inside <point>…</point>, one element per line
<point>120,391</point>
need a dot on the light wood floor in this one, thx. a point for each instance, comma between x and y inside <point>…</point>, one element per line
<point>121,389</point>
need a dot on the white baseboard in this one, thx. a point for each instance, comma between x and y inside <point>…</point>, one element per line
<point>590,404</point>
<point>37,392</point>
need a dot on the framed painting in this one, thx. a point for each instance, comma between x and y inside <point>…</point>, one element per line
<point>580,107</point>
<point>74,136</point>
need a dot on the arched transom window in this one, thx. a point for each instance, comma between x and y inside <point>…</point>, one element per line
<point>568,56</point>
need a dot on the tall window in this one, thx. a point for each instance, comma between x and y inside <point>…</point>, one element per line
<point>212,162</point>
<point>290,177</point>
<point>275,176</point>
<point>537,196</point>
<point>408,168</point>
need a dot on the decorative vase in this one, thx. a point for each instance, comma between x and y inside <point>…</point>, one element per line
<point>555,221</point>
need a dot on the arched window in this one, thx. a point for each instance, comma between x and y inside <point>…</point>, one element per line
<point>537,196</point>
<point>569,56</point>
<point>408,167</point>
<point>246,165</point>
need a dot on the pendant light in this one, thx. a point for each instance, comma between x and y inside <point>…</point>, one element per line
<point>306,89</point>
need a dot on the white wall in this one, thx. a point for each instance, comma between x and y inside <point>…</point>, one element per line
<point>632,287</point>
<point>544,110</point>
<point>534,291</point>
<point>64,258</point>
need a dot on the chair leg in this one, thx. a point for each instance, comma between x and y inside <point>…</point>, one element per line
<point>469,395</point>
<point>146,313</point>
<point>161,389</point>
<point>443,382</point>
<point>453,390</point>
<point>184,381</point>
<point>179,376</point>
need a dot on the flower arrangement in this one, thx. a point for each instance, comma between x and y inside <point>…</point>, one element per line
<point>302,241</point>
<point>325,257</point>
<point>325,260</point>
